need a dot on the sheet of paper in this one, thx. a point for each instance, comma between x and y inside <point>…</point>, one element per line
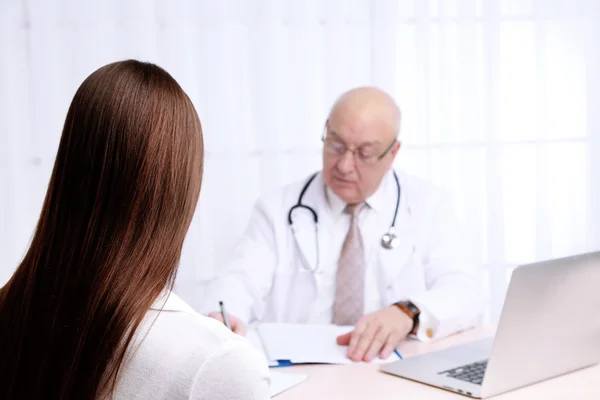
<point>280,381</point>
<point>305,344</point>
<point>252,336</point>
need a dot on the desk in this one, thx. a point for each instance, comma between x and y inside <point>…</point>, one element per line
<point>366,382</point>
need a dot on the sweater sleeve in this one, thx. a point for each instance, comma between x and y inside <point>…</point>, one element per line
<point>239,372</point>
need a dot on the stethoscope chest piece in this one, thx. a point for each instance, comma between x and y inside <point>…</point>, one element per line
<point>390,240</point>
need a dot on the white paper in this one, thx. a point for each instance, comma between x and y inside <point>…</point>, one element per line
<point>252,336</point>
<point>280,382</point>
<point>305,344</point>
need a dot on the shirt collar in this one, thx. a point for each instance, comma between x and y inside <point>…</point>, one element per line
<point>375,202</point>
<point>169,301</point>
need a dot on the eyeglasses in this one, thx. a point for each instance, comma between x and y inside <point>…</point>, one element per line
<point>365,154</point>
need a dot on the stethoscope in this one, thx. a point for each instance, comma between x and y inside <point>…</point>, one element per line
<point>388,241</point>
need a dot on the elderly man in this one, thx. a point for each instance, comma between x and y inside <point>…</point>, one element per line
<point>355,244</point>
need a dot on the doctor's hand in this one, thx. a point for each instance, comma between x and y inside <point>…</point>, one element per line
<point>377,333</point>
<point>237,325</point>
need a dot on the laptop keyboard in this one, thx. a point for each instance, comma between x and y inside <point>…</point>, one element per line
<point>470,373</point>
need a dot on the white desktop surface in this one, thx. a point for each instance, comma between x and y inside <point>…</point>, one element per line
<point>365,381</point>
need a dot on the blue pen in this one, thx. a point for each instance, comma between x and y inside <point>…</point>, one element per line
<point>398,354</point>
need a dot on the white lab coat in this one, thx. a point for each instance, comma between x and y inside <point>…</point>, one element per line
<point>270,276</point>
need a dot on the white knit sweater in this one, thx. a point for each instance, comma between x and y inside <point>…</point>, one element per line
<point>179,354</point>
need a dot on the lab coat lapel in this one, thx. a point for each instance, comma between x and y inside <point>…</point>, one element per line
<point>393,260</point>
<point>305,236</point>
<point>306,231</point>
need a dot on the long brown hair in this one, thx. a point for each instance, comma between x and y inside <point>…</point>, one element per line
<point>119,203</point>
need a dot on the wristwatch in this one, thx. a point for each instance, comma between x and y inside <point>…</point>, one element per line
<point>410,309</point>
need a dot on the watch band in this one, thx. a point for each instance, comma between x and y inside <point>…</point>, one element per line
<point>410,309</point>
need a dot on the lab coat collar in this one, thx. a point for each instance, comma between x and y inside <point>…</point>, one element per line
<point>376,202</point>
<point>334,203</point>
<point>316,196</point>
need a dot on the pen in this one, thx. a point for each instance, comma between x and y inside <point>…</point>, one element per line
<point>398,354</point>
<point>224,315</point>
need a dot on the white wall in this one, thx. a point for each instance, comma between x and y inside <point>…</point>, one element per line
<point>500,103</point>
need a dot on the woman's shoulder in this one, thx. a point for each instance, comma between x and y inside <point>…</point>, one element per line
<point>238,372</point>
<point>175,324</point>
<point>198,355</point>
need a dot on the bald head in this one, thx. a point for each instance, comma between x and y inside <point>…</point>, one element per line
<point>367,105</point>
<point>366,121</point>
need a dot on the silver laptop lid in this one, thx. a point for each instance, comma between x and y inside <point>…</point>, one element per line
<point>550,323</point>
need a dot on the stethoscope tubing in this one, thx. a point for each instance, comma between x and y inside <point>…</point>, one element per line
<point>390,234</point>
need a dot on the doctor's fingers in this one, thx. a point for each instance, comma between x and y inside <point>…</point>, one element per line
<point>344,340</point>
<point>365,340</point>
<point>379,341</point>
<point>391,343</point>
<point>356,335</point>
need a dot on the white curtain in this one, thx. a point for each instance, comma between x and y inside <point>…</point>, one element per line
<point>499,101</point>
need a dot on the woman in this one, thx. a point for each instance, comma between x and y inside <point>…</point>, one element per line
<point>89,314</point>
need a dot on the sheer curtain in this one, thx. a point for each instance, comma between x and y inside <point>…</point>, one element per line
<point>498,101</point>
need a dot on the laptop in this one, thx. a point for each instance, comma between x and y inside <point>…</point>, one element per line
<point>549,326</point>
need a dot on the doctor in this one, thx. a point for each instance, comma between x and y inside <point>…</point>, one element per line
<point>356,244</point>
